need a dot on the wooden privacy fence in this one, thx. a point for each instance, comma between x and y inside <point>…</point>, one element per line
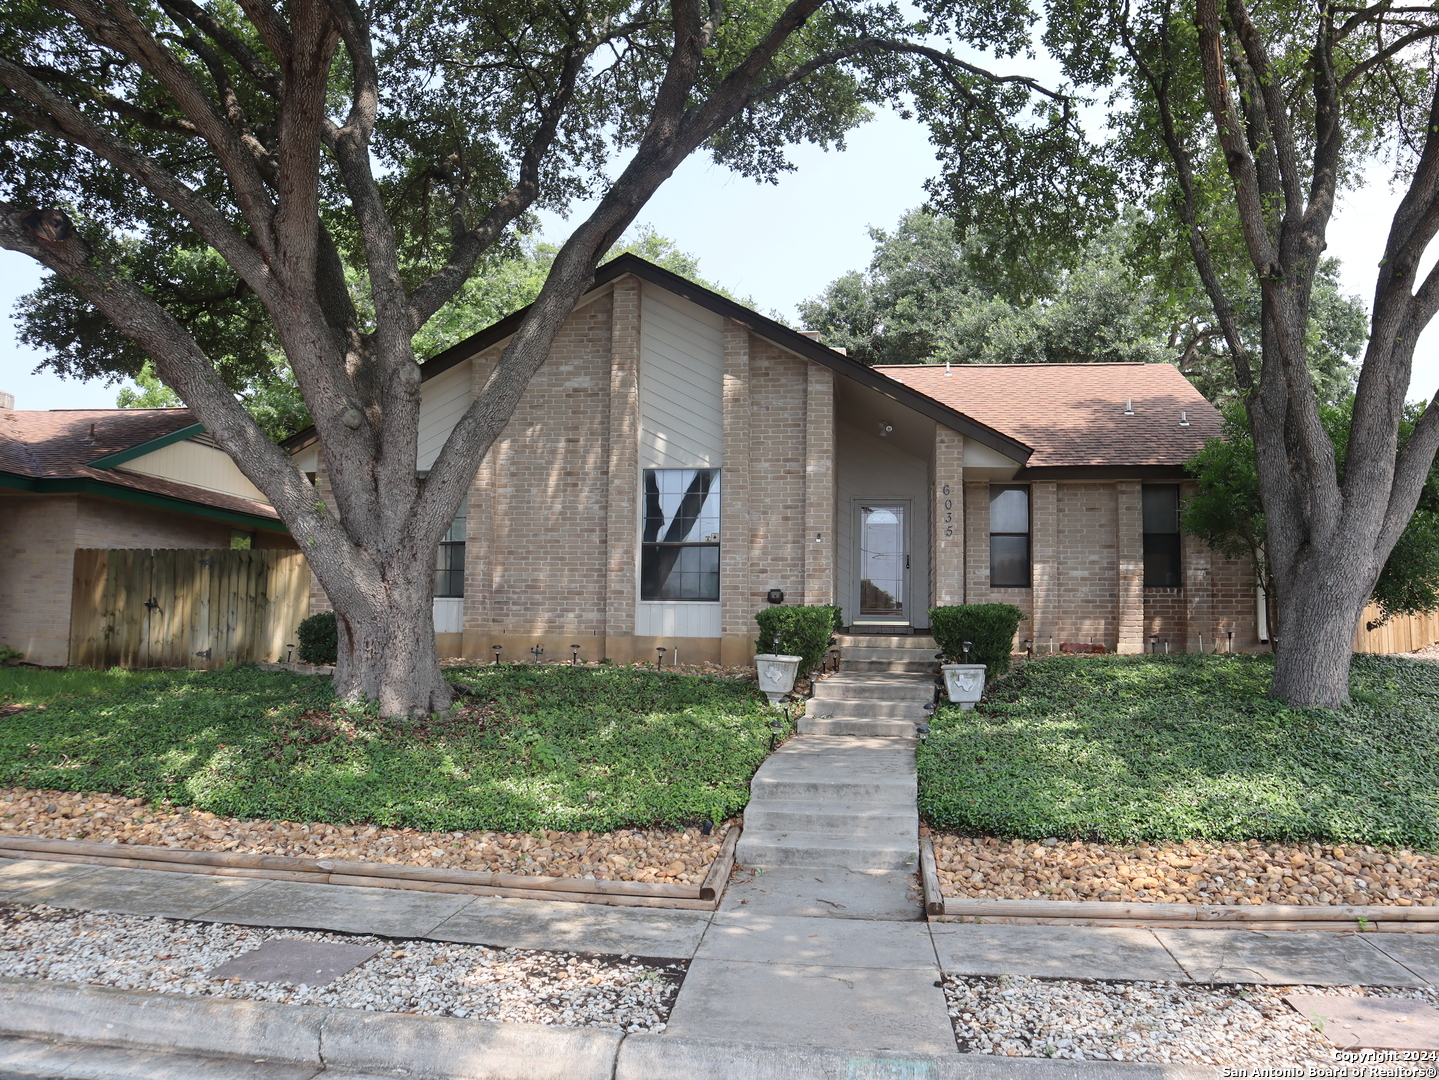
<point>185,607</point>
<point>1403,633</point>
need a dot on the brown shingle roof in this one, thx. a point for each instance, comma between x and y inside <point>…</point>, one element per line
<point>1073,414</point>
<point>60,443</point>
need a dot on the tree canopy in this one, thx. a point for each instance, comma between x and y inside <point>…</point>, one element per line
<point>924,299</point>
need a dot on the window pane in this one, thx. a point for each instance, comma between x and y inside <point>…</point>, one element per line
<point>450,570</point>
<point>1161,508</point>
<point>1161,561</point>
<point>1009,562</point>
<point>682,506</point>
<point>1009,510</point>
<point>679,573</point>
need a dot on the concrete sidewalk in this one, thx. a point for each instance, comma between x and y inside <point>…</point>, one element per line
<point>844,984</point>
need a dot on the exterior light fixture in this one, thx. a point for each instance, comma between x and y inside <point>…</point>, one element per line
<point>289,652</point>
<point>537,652</point>
<point>923,730</point>
<point>497,649</point>
<point>659,657</point>
<point>775,596</point>
<point>966,646</point>
<point>834,658</point>
<point>575,655</point>
<point>1153,643</point>
<point>1029,648</point>
<point>885,429</point>
<point>1231,641</point>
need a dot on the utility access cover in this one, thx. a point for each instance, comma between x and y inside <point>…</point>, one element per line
<point>1371,1023</point>
<point>290,960</point>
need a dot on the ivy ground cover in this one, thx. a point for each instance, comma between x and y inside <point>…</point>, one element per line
<point>533,747</point>
<point>1124,749</point>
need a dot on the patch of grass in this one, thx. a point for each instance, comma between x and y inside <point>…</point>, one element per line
<point>1127,748</point>
<point>536,747</point>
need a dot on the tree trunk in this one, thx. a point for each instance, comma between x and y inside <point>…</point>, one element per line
<point>387,655</point>
<point>1319,608</point>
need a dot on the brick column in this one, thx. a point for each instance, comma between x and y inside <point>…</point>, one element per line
<point>1199,618</point>
<point>737,629</point>
<point>819,519</point>
<point>948,516</point>
<point>480,552</point>
<point>622,474</point>
<point>1044,565</point>
<point>1129,548</point>
<point>976,524</point>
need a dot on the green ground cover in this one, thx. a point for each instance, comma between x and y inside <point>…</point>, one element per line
<point>1127,748</point>
<point>536,747</point>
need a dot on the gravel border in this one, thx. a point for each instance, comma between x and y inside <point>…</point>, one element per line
<point>1184,873</point>
<point>427,978</point>
<point>670,856</point>
<point>1105,1020</point>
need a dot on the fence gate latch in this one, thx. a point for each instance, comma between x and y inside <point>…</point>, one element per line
<point>204,654</point>
<point>152,603</point>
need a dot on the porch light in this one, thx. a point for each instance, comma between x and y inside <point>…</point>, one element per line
<point>659,656</point>
<point>497,649</point>
<point>775,596</point>
<point>574,655</point>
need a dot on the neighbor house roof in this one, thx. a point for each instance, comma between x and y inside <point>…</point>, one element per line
<point>1073,415</point>
<point>83,450</point>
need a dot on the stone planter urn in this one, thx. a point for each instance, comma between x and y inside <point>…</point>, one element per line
<point>964,683</point>
<point>777,673</point>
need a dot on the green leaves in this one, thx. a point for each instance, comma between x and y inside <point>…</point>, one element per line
<point>1121,749</point>
<point>545,747</point>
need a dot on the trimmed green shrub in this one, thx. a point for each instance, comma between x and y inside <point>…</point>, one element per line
<point>319,640</point>
<point>989,628</point>
<point>806,632</point>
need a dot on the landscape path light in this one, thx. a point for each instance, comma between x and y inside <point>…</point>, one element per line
<point>574,655</point>
<point>497,649</point>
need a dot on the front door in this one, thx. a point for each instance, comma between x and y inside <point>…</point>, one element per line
<point>883,571</point>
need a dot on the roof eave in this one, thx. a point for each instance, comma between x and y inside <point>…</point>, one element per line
<point>149,446</point>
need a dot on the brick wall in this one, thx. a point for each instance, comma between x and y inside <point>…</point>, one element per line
<point>101,523</point>
<point>37,552</point>
<point>776,467</point>
<point>1166,615</point>
<point>1086,595</point>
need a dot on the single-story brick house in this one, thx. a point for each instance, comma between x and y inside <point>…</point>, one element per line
<point>680,456</point>
<point>107,478</point>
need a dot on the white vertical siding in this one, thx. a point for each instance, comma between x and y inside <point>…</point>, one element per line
<point>873,468</point>
<point>681,383</point>
<point>199,465</point>
<point>677,618</point>
<point>443,401</point>
<point>449,614</point>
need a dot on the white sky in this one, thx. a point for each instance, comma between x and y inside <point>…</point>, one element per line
<point>779,244</point>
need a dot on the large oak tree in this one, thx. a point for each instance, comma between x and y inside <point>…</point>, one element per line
<point>1244,121</point>
<point>187,167</point>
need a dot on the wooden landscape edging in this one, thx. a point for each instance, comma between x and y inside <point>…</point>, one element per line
<point>703,897</point>
<point>1366,918</point>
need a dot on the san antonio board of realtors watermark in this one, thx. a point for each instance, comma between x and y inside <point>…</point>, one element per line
<point>1351,1065</point>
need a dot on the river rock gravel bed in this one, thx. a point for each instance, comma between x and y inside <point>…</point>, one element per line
<point>422,977</point>
<point>1249,872</point>
<point>675,856</point>
<point>1014,1016</point>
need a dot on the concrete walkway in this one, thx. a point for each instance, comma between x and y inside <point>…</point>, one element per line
<point>756,976</point>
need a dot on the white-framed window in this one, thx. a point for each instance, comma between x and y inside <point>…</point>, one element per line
<point>679,554</point>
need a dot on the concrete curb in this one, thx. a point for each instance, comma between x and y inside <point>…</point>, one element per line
<point>433,1048</point>
<point>441,1048</point>
<point>664,1057</point>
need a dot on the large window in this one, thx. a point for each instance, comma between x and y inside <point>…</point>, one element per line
<point>679,559</point>
<point>450,562</point>
<point>1008,537</point>
<point>1161,537</point>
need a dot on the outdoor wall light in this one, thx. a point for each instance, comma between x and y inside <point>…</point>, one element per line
<point>575,655</point>
<point>775,596</point>
<point>497,649</point>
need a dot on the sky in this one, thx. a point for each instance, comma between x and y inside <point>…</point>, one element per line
<point>777,243</point>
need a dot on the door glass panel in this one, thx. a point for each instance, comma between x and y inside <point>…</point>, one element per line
<point>881,544</point>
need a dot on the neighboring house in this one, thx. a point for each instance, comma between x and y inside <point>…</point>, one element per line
<point>107,478</point>
<point>679,456</point>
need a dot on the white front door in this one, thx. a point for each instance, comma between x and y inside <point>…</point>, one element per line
<point>882,553</point>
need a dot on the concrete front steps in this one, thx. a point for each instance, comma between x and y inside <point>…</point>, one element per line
<point>883,704</point>
<point>878,652</point>
<point>834,802</point>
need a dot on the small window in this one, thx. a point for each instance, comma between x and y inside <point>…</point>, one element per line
<point>1008,537</point>
<point>679,558</point>
<point>450,562</point>
<point>1162,569</point>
